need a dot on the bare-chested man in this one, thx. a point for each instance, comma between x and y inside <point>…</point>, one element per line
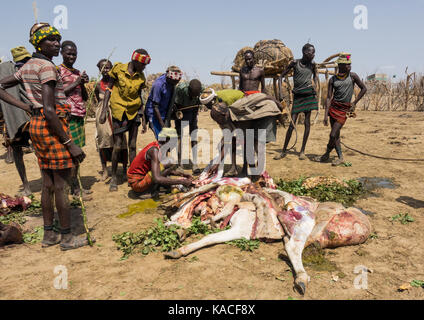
<point>251,75</point>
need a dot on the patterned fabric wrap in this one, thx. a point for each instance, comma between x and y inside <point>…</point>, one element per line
<point>304,101</point>
<point>43,33</point>
<point>77,130</point>
<point>51,154</point>
<point>143,58</point>
<point>140,183</point>
<point>338,111</point>
<point>174,75</point>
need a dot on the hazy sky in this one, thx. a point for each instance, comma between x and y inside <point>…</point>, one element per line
<point>200,36</point>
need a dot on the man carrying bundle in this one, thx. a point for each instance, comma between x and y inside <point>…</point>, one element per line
<point>304,95</point>
<point>338,105</point>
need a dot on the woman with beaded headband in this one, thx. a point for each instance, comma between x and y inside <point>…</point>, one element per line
<point>49,131</point>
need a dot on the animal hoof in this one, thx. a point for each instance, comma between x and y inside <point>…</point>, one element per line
<point>300,287</point>
<point>173,255</point>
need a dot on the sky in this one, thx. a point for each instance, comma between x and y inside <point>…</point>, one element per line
<point>202,36</point>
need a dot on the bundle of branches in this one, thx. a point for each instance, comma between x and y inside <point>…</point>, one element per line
<point>272,55</point>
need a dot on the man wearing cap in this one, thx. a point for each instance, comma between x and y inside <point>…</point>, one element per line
<point>338,105</point>
<point>17,120</point>
<point>161,98</point>
<point>146,173</point>
<point>124,93</point>
<point>187,104</point>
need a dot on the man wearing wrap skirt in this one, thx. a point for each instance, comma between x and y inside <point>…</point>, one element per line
<point>304,99</point>
<point>338,104</point>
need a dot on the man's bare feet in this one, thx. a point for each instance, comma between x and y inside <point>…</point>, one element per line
<point>50,238</point>
<point>280,156</point>
<point>103,175</point>
<point>232,172</point>
<point>324,158</point>
<point>337,162</point>
<point>70,242</point>
<point>302,156</point>
<point>196,170</point>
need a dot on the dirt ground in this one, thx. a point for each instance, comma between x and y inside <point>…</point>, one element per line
<point>223,271</point>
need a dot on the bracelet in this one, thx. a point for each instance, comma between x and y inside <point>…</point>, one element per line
<point>66,142</point>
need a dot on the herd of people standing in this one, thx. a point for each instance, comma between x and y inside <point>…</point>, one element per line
<point>51,99</point>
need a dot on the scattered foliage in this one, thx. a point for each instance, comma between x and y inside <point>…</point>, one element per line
<point>346,195</point>
<point>404,218</point>
<point>244,244</point>
<point>34,237</point>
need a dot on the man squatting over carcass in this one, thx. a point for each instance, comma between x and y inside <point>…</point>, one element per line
<point>146,173</point>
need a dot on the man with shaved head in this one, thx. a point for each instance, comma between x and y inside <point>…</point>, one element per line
<point>251,76</point>
<point>187,106</point>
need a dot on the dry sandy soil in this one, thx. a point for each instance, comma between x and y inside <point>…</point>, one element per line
<point>223,271</point>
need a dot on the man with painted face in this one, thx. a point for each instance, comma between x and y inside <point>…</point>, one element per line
<point>338,105</point>
<point>161,98</point>
<point>124,92</point>
<point>304,95</point>
<point>49,131</point>
<point>74,86</point>
<point>251,76</point>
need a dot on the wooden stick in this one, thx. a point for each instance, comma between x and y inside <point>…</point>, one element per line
<point>224,73</point>
<point>84,215</point>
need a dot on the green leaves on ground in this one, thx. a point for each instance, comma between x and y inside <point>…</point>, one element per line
<point>34,237</point>
<point>334,192</point>
<point>402,218</point>
<point>244,244</point>
<point>18,216</point>
<point>417,283</point>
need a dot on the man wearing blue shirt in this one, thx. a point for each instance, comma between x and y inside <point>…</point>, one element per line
<point>160,97</point>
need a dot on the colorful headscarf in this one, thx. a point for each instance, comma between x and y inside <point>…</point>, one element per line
<point>174,73</point>
<point>143,58</point>
<point>40,31</point>
<point>344,58</point>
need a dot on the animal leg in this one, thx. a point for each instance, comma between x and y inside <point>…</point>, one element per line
<point>241,227</point>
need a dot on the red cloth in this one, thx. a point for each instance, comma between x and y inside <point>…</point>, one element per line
<point>338,111</point>
<point>248,93</point>
<point>141,165</point>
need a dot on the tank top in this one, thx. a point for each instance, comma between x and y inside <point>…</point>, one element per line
<point>141,165</point>
<point>302,77</point>
<point>343,89</point>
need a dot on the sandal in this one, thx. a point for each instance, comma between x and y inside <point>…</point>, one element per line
<point>75,244</point>
<point>280,156</point>
<point>47,243</point>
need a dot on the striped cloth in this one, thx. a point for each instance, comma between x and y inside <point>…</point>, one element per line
<point>51,154</point>
<point>76,127</point>
<point>304,101</point>
<point>34,74</point>
<point>338,110</point>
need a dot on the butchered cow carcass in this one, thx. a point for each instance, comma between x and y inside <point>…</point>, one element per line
<point>260,211</point>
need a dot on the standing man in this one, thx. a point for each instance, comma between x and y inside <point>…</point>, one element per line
<point>73,82</point>
<point>17,120</point>
<point>187,102</point>
<point>124,92</point>
<point>304,95</point>
<point>251,76</point>
<point>161,98</point>
<point>49,131</point>
<point>338,105</point>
